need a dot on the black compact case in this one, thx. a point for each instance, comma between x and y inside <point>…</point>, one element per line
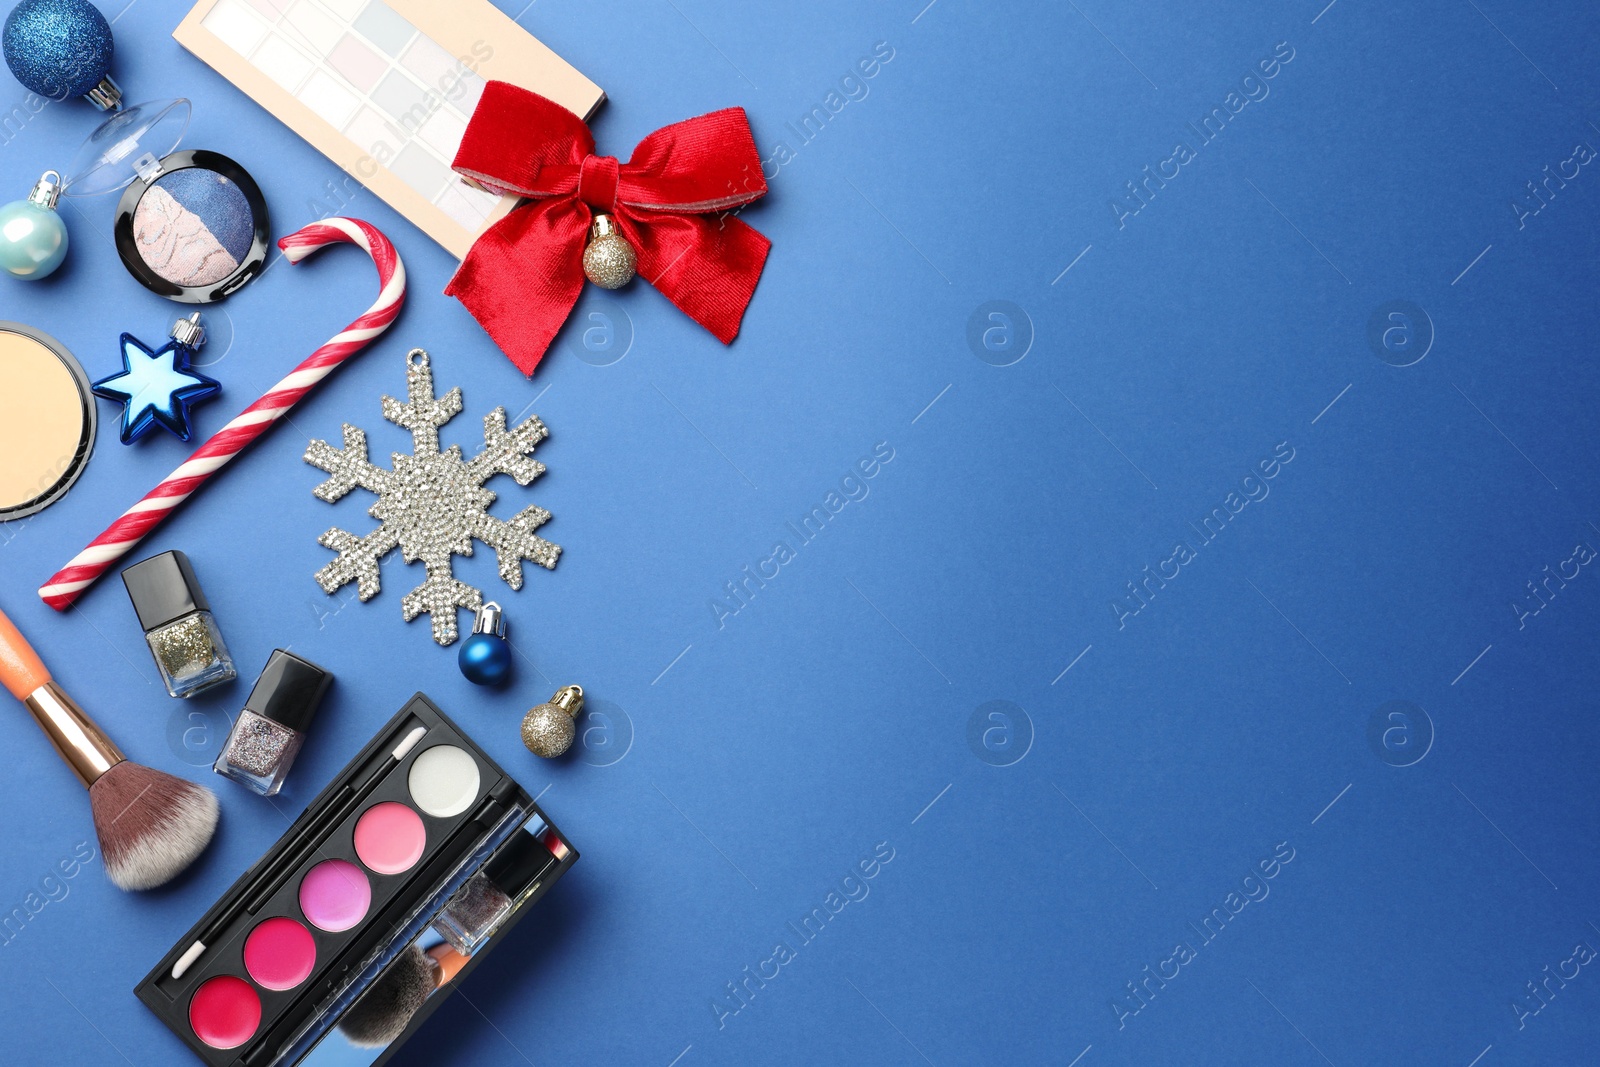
<point>221,170</point>
<point>246,944</point>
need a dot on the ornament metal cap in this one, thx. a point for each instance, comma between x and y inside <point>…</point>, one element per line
<point>609,261</point>
<point>489,620</point>
<point>189,332</point>
<point>107,95</point>
<point>47,190</point>
<point>569,698</point>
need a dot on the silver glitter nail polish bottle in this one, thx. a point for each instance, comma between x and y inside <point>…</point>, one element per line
<point>512,874</point>
<point>177,623</point>
<point>267,737</point>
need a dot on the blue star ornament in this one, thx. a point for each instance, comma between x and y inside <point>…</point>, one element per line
<point>156,388</point>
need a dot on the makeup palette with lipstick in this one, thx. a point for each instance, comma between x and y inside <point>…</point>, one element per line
<point>392,885</point>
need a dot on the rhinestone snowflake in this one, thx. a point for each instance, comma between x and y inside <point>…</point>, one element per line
<point>432,505</point>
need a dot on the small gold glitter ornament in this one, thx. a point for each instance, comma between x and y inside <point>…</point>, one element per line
<point>609,261</point>
<point>548,729</point>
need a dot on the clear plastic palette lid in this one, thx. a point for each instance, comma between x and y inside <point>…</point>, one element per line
<point>126,144</point>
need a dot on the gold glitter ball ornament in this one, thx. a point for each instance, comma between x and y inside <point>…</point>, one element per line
<point>548,729</point>
<point>609,261</point>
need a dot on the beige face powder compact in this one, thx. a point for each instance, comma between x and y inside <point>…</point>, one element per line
<point>47,420</point>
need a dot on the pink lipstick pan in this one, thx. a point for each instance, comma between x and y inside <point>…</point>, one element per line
<point>421,839</point>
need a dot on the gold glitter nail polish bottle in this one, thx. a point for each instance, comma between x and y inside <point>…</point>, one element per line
<point>177,623</point>
<point>268,734</point>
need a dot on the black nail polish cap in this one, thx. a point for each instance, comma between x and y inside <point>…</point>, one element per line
<point>518,863</point>
<point>163,588</point>
<point>289,690</point>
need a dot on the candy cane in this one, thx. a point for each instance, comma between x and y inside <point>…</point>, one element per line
<point>66,584</point>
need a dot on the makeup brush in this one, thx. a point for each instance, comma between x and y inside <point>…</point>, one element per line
<point>385,1010</point>
<point>151,825</point>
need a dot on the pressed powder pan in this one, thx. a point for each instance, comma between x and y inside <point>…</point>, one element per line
<point>47,420</point>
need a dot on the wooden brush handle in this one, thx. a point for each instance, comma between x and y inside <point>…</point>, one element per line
<point>20,666</point>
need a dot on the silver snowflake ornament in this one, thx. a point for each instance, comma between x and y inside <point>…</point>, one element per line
<point>432,505</point>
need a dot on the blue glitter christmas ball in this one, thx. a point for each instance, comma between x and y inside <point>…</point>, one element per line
<point>58,48</point>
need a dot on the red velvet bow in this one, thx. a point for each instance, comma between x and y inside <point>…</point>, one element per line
<point>525,272</point>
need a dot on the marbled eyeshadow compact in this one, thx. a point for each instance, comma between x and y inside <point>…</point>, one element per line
<point>191,226</point>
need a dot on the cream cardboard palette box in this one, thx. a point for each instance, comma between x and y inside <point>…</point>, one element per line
<point>384,88</point>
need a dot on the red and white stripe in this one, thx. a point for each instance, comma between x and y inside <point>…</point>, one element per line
<point>66,584</point>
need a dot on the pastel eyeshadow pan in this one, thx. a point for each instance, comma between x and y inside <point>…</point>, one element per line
<point>390,838</point>
<point>280,953</point>
<point>193,227</point>
<point>360,65</point>
<point>225,1012</point>
<point>385,27</point>
<point>444,781</point>
<point>335,895</point>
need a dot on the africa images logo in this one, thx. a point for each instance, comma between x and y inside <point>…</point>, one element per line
<point>1253,888</point>
<point>740,591</point>
<point>1253,88</point>
<point>854,887</point>
<point>1253,488</point>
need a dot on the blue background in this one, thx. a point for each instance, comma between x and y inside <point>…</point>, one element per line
<point>737,772</point>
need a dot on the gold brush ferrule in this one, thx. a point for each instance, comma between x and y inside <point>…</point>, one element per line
<point>85,747</point>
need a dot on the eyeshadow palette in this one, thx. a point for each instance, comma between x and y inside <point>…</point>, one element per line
<point>384,88</point>
<point>390,887</point>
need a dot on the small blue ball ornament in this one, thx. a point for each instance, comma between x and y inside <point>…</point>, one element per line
<point>485,657</point>
<point>62,48</point>
<point>33,239</point>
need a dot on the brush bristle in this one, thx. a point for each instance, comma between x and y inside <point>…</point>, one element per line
<point>385,1010</point>
<point>151,825</point>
